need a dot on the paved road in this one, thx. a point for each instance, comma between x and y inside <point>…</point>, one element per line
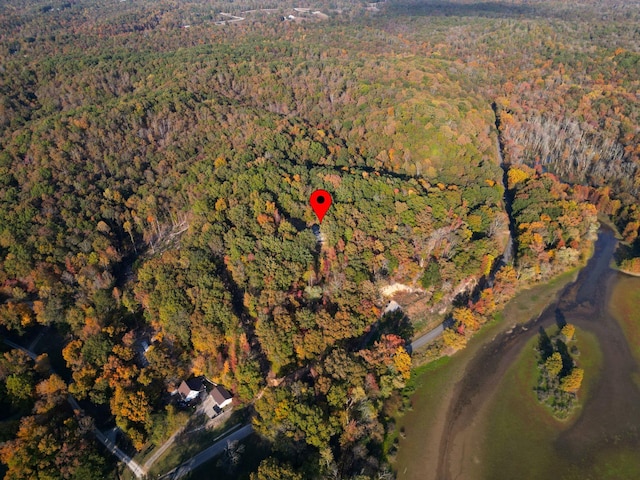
<point>163,448</point>
<point>42,333</point>
<point>137,470</point>
<point>234,19</point>
<point>207,454</point>
<point>133,466</point>
<point>427,337</point>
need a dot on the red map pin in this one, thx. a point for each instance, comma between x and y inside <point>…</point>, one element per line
<point>320,201</point>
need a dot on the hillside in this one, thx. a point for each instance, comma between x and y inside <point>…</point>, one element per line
<point>155,170</point>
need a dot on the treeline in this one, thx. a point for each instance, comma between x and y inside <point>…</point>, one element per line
<point>555,226</point>
<point>576,116</point>
<point>565,92</point>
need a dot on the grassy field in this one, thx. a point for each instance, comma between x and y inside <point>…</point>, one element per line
<point>433,382</point>
<point>531,302</point>
<point>518,431</point>
<point>625,307</point>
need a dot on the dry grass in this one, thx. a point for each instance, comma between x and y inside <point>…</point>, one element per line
<point>625,307</point>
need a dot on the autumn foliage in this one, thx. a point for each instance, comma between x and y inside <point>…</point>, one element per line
<point>154,185</point>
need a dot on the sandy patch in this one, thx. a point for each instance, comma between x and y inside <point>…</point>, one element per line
<point>394,288</point>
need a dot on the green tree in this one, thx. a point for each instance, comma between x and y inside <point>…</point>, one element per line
<point>431,275</point>
<point>20,388</point>
<point>272,469</point>
<point>96,349</point>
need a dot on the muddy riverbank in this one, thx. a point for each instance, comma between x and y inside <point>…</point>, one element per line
<point>421,428</point>
<point>610,415</point>
<point>452,437</point>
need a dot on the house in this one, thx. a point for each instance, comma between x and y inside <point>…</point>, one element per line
<point>190,389</point>
<point>221,396</point>
<point>217,399</point>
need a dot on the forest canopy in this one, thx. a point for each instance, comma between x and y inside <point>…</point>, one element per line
<point>156,160</point>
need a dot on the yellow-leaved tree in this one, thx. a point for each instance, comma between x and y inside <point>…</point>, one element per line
<point>572,382</point>
<point>515,176</point>
<point>568,331</point>
<point>465,316</point>
<point>453,339</point>
<point>553,364</point>
<point>402,362</point>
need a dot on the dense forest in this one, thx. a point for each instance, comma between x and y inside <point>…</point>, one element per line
<point>155,170</point>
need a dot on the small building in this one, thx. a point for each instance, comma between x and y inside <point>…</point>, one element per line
<point>190,389</point>
<point>221,396</point>
<point>217,399</point>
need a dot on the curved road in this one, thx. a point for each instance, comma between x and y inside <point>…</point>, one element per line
<point>109,445</point>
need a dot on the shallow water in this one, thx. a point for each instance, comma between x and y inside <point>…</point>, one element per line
<point>610,417</point>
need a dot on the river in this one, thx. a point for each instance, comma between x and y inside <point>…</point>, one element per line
<point>610,414</point>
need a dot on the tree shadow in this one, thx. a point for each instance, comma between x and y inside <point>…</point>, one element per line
<point>560,318</point>
<point>449,322</point>
<point>626,252</point>
<point>567,361</point>
<point>398,323</point>
<point>544,344</point>
<point>395,322</point>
